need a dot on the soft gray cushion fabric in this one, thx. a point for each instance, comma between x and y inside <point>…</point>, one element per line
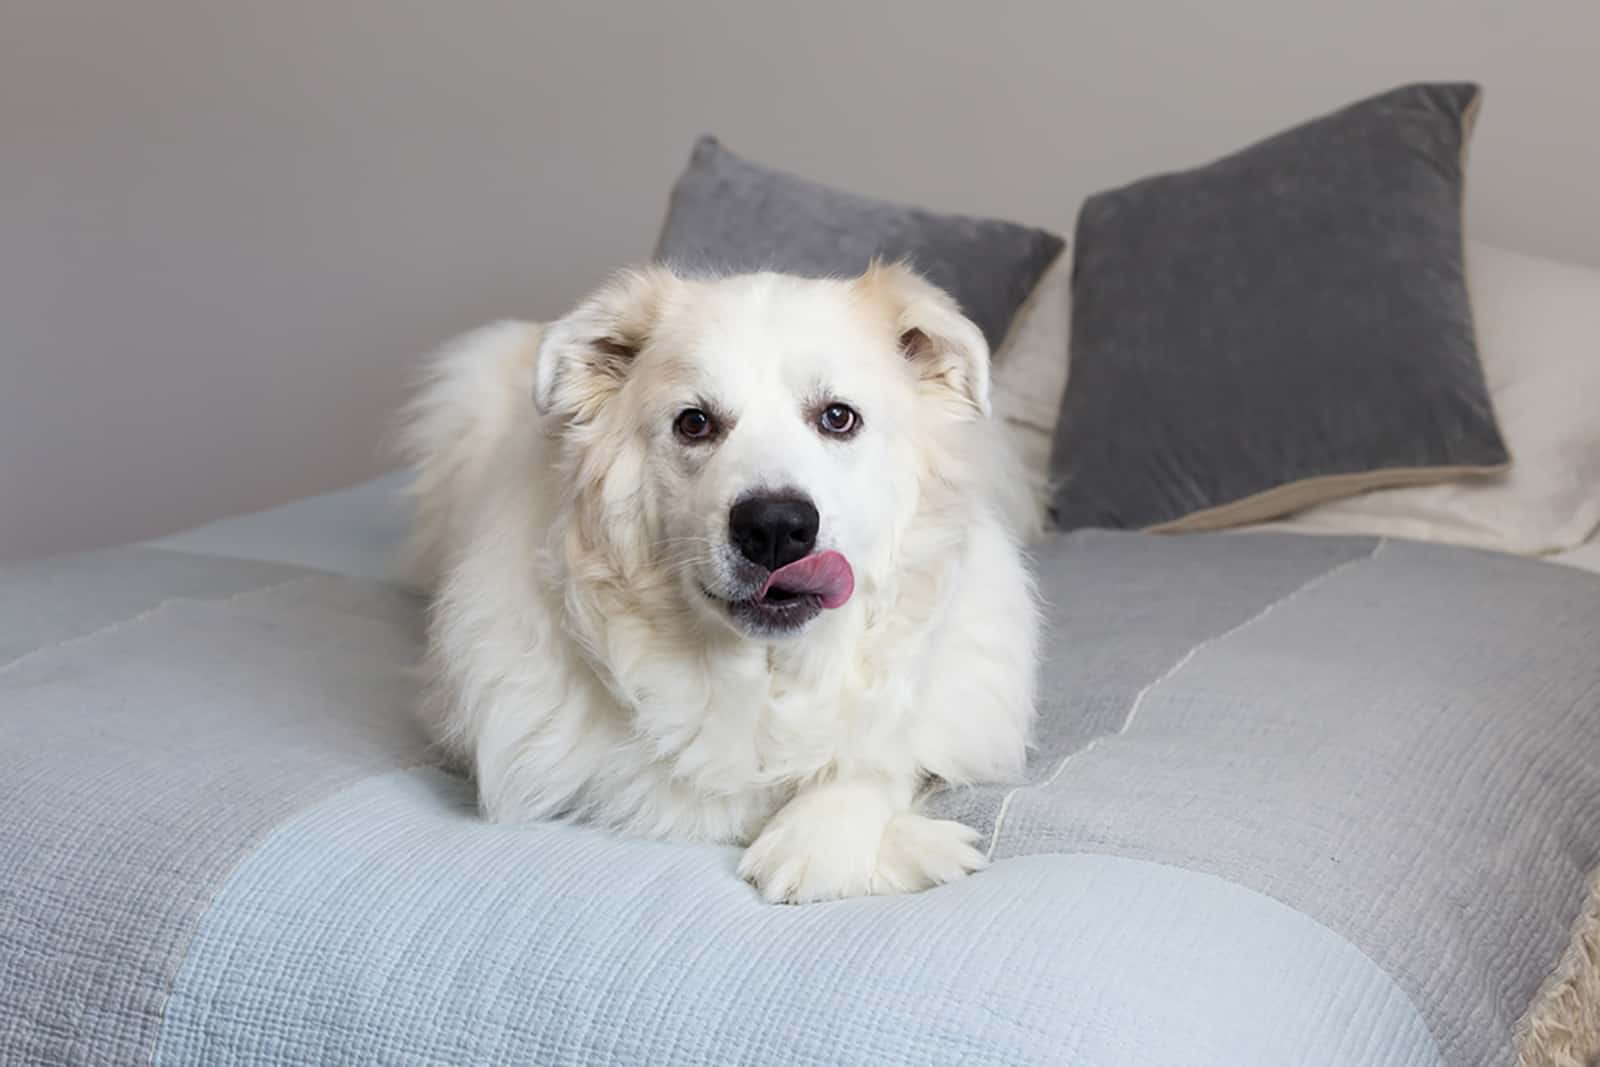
<point>728,214</point>
<point>1285,325</point>
<point>1294,800</point>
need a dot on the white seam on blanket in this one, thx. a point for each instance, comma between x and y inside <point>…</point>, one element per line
<point>111,627</point>
<point>1183,661</point>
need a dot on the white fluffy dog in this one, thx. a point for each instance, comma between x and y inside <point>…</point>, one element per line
<point>731,560</point>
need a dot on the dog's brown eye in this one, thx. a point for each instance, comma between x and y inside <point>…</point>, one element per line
<point>838,419</point>
<point>693,425</point>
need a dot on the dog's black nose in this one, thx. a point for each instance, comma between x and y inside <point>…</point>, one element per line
<point>773,530</point>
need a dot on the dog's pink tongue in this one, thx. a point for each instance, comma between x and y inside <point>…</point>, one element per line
<point>824,574</point>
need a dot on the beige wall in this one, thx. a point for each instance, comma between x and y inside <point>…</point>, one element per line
<point>227,230</point>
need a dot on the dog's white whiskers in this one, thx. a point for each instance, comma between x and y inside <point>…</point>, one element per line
<point>669,541</point>
<point>682,567</point>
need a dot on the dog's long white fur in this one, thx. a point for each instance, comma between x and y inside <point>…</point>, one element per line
<point>578,668</point>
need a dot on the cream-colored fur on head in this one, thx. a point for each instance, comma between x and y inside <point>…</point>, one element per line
<point>585,659</point>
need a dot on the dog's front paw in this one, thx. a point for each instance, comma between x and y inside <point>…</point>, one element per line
<point>918,852</point>
<point>835,844</point>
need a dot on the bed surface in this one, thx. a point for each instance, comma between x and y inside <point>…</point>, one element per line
<point>354,531</point>
<point>1270,821</point>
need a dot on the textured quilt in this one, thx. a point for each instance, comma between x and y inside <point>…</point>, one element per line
<point>1295,801</point>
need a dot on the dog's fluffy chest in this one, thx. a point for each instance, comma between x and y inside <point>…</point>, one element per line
<point>758,718</point>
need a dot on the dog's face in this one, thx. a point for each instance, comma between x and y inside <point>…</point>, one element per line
<point>751,446</point>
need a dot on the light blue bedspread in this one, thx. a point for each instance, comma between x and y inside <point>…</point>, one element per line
<point>1296,801</point>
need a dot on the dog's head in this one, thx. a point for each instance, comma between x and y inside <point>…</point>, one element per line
<point>752,447</point>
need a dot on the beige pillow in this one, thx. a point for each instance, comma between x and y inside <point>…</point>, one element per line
<point>1538,325</point>
<point>1030,368</point>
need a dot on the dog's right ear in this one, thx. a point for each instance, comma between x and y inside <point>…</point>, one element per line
<point>584,357</point>
<point>946,347</point>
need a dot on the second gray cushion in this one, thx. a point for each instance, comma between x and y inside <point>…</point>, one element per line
<point>728,214</point>
<point>1286,325</point>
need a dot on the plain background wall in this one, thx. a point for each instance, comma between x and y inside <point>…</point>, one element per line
<point>228,231</point>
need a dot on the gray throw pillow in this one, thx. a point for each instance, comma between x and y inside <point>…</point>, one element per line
<point>1284,326</point>
<point>728,214</point>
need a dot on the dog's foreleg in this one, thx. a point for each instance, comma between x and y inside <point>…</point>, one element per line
<point>852,837</point>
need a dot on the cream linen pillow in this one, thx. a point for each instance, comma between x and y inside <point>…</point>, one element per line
<point>1030,368</point>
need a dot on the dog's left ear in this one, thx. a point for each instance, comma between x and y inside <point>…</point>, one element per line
<point>585,356</point>
<point>944,345</point>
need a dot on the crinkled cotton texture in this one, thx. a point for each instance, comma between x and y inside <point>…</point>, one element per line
<point>728,214</point>
<point>216,852</point>
<point>220,847</point>
<point>1284,326</point>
